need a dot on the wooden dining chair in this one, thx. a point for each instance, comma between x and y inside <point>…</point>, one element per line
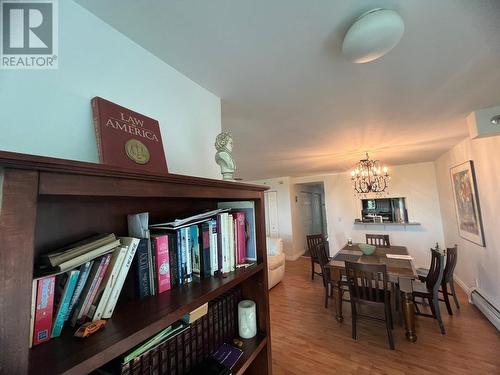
<point>368,286</point>
<point>379,240</point>
<point>429,289</point>
<point>449,269</point>
<point>321,252</point>
<point>312,241</point>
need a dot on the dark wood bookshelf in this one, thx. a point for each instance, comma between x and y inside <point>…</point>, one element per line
<point>47,202</point>
<point>252,348</point>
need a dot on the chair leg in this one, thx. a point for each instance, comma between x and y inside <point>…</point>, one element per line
<point>312,268</point>
<point>435,303</point>
<point>454,294</point>
<point>354,317</point>
<point>446,298</point>
<point>388,326</point>
<point>327,294</point>
<point>417,309</point>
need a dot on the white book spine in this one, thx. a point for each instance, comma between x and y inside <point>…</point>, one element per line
<point>213,249</point>
<point>110,281</point>
<point>132,244</point>
<point>225,243</point>
<point>232,248</point>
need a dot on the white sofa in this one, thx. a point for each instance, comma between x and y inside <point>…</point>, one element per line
<point>275,261</point>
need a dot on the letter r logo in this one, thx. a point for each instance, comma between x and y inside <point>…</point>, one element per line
<point>27,27</point>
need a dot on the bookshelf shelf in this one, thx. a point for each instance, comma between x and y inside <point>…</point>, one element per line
<point>47,202</point>
<point>251,349</point>
<point>132,323</point>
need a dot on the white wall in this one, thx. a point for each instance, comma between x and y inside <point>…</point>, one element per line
<point>48,113</point>
<point>475,263</point>
<point>282,187</point>
<point>415,182</point>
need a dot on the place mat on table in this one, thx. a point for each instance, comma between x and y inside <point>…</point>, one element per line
<point>346,258</point>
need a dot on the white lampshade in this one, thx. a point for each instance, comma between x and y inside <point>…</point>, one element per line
<point>373,35</point>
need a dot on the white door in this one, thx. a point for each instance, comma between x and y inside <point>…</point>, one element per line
<point>316,213</point>
<point>271,203</point>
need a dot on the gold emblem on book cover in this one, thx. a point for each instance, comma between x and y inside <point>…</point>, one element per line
<point>137,151</point>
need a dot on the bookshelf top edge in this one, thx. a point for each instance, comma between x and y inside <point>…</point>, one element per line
<point>48,164</point>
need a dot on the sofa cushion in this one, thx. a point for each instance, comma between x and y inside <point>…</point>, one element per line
<point>275,261</point>
<point>274,246</point>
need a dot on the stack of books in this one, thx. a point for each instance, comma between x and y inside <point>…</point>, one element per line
<point>194,248</point>
<point>79,283</point>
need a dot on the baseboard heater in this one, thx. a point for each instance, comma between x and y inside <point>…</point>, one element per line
<point>489,311</point>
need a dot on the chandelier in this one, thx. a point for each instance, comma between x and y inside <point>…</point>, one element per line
<point>370,177</point>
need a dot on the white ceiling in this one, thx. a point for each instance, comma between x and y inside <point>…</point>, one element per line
<point>295,106</point>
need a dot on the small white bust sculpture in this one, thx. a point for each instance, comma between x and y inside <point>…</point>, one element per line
<point>224,146</point>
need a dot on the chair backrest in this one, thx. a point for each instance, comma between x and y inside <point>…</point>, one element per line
<point>379,240</point>
<point>367,282</point>
<point>312,241</point>
<point>321,253</point>
<point>435,275</point>
<point>451,262</point>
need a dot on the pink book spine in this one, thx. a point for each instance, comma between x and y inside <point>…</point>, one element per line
<point>93,292</point>
<point>44,309</point>
<point>162,265</point>
<point>240,233</point>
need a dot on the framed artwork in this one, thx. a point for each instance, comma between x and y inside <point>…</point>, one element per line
<point>463,182</point>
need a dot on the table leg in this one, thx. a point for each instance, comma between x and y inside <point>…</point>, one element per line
<point>409,315</point>
<point>336,281</point>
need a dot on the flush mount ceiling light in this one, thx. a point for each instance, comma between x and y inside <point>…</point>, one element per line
<point>373,35</point>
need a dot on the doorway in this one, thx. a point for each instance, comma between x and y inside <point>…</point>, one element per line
<point>311,211</point>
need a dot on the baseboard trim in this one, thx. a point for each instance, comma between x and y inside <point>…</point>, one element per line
<point>463,286</point>
<point>296,256</point>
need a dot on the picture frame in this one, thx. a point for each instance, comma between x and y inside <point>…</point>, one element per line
<point>466,201</point>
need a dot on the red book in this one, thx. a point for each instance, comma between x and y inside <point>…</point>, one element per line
<point>160,244</point>
<point>126,138</point>
<point>44,308</point>
<point>240,235</point>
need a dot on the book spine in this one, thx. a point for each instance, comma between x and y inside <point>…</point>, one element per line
<point>120,280</point>
<point>174,267</point>
<point>219,243</point>
<point>189,260</point>
<point>224,243</point>
<point>205,246</point>
<point>142,270</point>
<point>82,279</point>
<point>62,310</point>
<point>162,263</point>
<point>214,263</point>
<point>44,309</point>
<point>241,238</point>
<point>232,241</point>
<point>87,311</point>
<point>96,117</point>
<point>114,267</point>
<point>34,287</point>
<point>180,262</point>
<point>194,243</point>
<point>152,268</point>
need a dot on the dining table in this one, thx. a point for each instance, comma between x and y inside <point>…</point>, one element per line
<point>400,272</point>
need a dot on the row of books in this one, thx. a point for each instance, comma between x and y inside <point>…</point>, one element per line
<point>194,248</point>
<point>79,283</point>
<point>180,349</point>
<point>83,281</point>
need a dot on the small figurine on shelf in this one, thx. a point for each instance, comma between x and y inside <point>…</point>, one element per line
<point>224,147</point>
<point>90,328</point>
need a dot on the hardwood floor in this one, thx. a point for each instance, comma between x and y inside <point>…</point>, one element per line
<point>306,338</point>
